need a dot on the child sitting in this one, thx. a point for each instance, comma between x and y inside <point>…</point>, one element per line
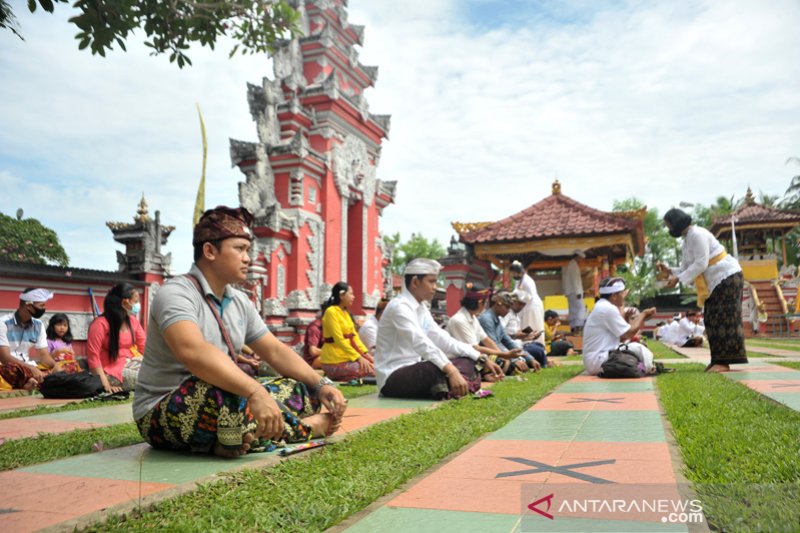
<point>59,344</point>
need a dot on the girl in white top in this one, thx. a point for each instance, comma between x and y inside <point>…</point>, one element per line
<point>719,282</point>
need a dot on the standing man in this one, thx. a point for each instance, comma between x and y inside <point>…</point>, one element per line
<point>191,395</point>
<point>19,332</point>
<point>411,354</point>
<point>572,285</point>
<point>532,315</point>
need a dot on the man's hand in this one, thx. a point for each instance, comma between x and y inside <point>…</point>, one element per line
<point>365,365</point>
<point>671,282</point>
<point>266,413</point>
<point>333,400</point>
<point>521,365</point>
<point>494,369</point>
<point>38,375</point>
<point>661,267</point>
<point>458,385</point>
<point>647,313</point>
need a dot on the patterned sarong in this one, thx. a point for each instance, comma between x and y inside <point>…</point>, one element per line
<point>15,374</point>
<point>346,371</point>
<point>197,415</point>
<point>723,318</point>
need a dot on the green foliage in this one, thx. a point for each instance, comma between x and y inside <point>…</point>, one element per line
<point>326,487</point>
<point>740,450</point>
<point>641,277</point>
<point>256,25</point>
<point>28,241</point>
<point>414,247</point>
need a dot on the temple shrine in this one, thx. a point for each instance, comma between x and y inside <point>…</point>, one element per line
<point>544,238</point>
<point>761,234</point>
<point>311,174</point>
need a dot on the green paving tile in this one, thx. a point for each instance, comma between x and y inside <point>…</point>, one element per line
<point>432,521</point>
<point>609,426</point>
<point>588,525</point>
<point>789,399</point>
<point>155,466</point>
<point>759,376</point>
<point>110,414</point>
<point>618,385</point>
<point>374,402</point>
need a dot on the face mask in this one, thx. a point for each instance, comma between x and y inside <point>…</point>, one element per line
<point>135,308</point>
<point>37,313</point>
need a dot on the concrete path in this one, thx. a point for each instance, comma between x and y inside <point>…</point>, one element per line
<point>83,489</point>
<point>591,439</point>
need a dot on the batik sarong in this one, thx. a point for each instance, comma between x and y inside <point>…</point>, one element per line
<point>16,374</point>
<point>345,371</point>
<point>425,380</point>
<point>197,415</point>
<point>723,318</point>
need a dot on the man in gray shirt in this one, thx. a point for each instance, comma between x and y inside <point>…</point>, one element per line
<point>191,395</point>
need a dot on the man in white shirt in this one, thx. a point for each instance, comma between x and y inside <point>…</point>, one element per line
<point>368,332</point>
<point>20,333</point>
<point>572,285</point>
<point>532,315</point>
<point>606,329</point>
<point>690,331</point>
<point>410,356</point>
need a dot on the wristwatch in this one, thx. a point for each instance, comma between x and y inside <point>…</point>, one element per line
<point>316,388</point>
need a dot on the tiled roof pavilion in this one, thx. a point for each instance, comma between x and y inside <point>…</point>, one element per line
<point>555,226</point>
<point>755,216</point>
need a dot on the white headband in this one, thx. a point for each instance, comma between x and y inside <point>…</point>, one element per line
<point>615,287</point>
<point>36,295</point>
<point>422,267</point>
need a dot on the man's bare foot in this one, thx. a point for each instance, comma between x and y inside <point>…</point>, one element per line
<point>221,451</point>
<point>322,424</point>
<point>718,368</point>
<point>31,384</point>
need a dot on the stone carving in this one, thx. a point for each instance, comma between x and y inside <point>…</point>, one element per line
<point>274,307</point>
<point>257,193</point>
<point>352,165</point>
<point>281,281</point>
<point>298,299</point>
<point>263,102</point>
<point>316,243</point>
<point>296,196</point>
<point>371,300</point>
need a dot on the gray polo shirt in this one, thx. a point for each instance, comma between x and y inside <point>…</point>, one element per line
<point>178,300</point>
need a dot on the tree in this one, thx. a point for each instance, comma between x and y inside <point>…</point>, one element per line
<point>660,246</point>
<point>28,241</point>
<point>171,26</point>
<point>416,246</point>
<point>791,198</point>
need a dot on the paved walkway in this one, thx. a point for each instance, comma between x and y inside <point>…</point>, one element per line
<point>82,489</point>
<point>590,439</point>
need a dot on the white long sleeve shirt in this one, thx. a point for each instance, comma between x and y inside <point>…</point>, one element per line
<point>407,334</point>
<point>699,247</point>
<point>686,330</point>
<point>464,327</point>
<point>369,332</point>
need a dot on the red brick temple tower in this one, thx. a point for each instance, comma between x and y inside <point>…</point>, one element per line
<point>311,176</point>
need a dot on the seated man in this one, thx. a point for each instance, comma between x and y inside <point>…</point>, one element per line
<point>555,342</point>
<point>410,355</point>
<point>368,332</point>
<point>690,332</point>
<point>191,395</point>
<point>606,328</point>
<point>20,332</point>
<point>660,331</point>
<point>312,346</point>
<point>491,322</point>
<point>465,327</point>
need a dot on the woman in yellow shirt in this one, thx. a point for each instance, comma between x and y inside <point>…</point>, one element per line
<point>344,357</point>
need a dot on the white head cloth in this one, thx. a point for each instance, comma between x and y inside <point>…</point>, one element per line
<point>522,296</point>
<point>579,253</point>
<point>36,295</point>
<point>422,266</point>
<point>614,288</point>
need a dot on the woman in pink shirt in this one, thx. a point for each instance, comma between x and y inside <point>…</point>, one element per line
<point>113,334</point>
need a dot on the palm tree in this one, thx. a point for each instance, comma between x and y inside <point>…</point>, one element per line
<point>791,199</point>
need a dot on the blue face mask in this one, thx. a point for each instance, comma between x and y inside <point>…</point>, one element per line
<point>135,308</point>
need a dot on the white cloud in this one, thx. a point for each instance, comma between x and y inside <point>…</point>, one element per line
<point>662,101</point>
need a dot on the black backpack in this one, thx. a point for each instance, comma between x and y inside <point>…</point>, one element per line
<point>621,364</point>
<point>63,385</point>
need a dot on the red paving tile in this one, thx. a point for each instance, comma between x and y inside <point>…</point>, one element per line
<point>575,401</point>
<point>34,498</point>
<point>359,417</point>
<point>17,428</point>
<point>29,402</point>
<point>594,379</point>
<point>455,485</point>
<point>769,385</point>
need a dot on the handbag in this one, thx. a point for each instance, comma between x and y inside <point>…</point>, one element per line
<point>621,364</point>
<point>69,386</point>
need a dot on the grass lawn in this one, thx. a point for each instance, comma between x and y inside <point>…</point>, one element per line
<point>789,364</point>
<point>741,450</point>
<point>661,351</point>
<point>49,447</point>
<point>781,344</point>
<point>46,409</point>
<point>322,489</point>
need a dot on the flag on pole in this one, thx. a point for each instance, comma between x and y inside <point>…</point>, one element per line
<point>200,201</point>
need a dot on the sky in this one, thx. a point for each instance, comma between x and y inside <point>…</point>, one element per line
<point>668,102</point>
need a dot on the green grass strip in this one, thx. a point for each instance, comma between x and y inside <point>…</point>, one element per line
<point>49,447</point>
<point>28,451</point>
<point>789,364</point>
<point>741,450</point>
<point>769,343</point>
<point>50,409</point>
<point>327,487</point>
<point>662,351</point>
